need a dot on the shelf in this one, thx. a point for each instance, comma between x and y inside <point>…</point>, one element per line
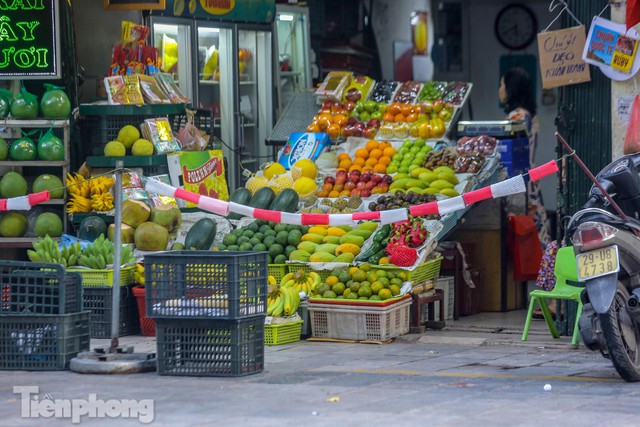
<point>53,202</point>
<point>129,161</point>
<point>130,110</point>
<point>247,83</point>
<point>20,242</point>
<point>77,217</point>
<point>34,123</point>
<point>42,163</point>
<point>209,82</point>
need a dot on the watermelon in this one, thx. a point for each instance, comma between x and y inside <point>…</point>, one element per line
<point>91,228</point>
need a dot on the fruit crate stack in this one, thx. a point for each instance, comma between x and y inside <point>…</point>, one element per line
<point>209,308</point>
<point>42,322</point>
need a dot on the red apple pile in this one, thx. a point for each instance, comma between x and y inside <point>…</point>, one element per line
<point>355,183</point>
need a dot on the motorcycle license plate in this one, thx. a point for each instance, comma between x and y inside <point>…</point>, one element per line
<point>598,263</point>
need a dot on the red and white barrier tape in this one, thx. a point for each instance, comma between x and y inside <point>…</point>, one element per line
<point>24,203</point>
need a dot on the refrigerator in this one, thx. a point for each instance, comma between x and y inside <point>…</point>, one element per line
<point>294,51</point>
<point>226,68</point>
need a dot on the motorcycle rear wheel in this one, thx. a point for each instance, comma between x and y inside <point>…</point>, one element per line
<point>622,337</point>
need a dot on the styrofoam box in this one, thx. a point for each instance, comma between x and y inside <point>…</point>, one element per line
<point>445,283</point>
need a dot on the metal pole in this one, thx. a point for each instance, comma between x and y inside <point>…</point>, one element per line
<point>117,243</point>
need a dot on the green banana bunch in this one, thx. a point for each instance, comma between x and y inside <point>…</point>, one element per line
<point>102,253</point>
<point>47,250</point>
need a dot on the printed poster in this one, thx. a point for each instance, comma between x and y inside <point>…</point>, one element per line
<point>612,48</point>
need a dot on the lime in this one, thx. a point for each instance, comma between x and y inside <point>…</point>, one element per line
<point>338,288</point>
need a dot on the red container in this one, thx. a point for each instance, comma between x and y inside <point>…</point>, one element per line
<point>147,325</point>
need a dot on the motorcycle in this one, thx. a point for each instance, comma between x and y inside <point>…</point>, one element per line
<point>606,239</point>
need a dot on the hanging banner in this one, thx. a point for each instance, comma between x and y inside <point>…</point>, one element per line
<point>612,48</point>
<point>258,11</point>
<point>29,40</point>
<point>560,54</point>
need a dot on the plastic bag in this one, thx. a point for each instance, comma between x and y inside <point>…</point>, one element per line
<point>632,139</point>
<point>189,137</point>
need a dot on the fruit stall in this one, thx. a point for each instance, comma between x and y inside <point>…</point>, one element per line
<point>336,240</point>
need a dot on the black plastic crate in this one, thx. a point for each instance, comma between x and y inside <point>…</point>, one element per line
<point>28,288</point>
<point>206,284</point>
<point>99,301</point>
<point>213,347</point>
<point>98,130</point>
<point>44,342</point>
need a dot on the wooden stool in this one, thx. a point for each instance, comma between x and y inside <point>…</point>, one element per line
<point>416,327</point>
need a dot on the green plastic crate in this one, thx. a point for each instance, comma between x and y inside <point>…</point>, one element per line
<point>104,277</point>
<point>278,271</point>
<point>426,271</point>
<point>283,333</point>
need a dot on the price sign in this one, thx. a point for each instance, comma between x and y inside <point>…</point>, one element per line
<point>29,43</point>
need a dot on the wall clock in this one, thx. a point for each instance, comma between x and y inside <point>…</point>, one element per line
<point>516,26</point>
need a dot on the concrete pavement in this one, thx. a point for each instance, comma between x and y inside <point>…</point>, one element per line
<point>475,372</point>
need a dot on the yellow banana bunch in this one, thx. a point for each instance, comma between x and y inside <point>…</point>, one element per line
<point>301,281</point>
<point>283,302</point>
<point>102,202</point>
<point>79,203</point>
<point>100,185</point>
<point>138,274</point>
<point>77,185</point>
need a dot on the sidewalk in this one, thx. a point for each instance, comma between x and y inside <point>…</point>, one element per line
<point>475,372</point>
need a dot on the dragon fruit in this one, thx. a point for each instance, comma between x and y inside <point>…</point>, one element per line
<point>410,232</point>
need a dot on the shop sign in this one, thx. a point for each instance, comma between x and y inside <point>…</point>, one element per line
<point>29,43</point>
<point>560,54</point>
<point>612,48</point>
<point>256,11</point>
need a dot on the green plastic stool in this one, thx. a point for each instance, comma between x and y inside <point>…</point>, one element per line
<point>565,269</point>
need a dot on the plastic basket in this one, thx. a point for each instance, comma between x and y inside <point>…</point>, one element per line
<point>283,333</point>
<point>360,323</point>
<point>43,342</point>
<point>210,347</point>
<point>28,288</point>
<point>426,271</point>
<point>147,325</point>
<point>206,284</point>
<point>99,302</point>
<point>295,267</point>
<point>278,271</point>
<point>104,277</point>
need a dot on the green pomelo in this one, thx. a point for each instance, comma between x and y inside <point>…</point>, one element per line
<point>4,149</point>
<point>128,135</point>
<point>51,183</point>
<point>48,223</point>
<point>12,185</point>
<point>13,224</point>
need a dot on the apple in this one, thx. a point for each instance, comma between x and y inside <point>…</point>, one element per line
<point>369,132</point>
<point>326,105</point>
<point>370,106</point>
<point>382,107</point>
<point>353,94</point>
<point>365,177</point>
<point>347,131</point>
<point>365,193</point>
<point>338,187</point>
<point>327,187</point>
<point>330,180</point>
<point>341,174</point>
<point>376,178</point>
<point>352,121</point>
<point>373,122</point>
<point>376,115</point>
<point>322,193</point>
<point>370,185</point>
<point>384,187</point>
<point>355,192</point>
<point>335,107</point>
<point>359,107</point>
<point>364,116</point>
<point>349,106</point>
<point>358,129</point>
<point>361,185</point>
<point>349,185</point>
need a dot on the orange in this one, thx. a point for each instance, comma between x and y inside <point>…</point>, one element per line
<point>375,153</point>
<point>406,109</point>
<point>371,144</point>
<point>394,108</point>
<point>324,122</point>
<point>334,193</point>
<point>362,152</point>
<point>355,168</point>
<point>334,130</point>
<point>340,119</point>
<point>371,161</point>
<point>359,161</point>
<point>397,118</point>
<point>412,118</point>
<point>383,145</point>
<point>384,160</point>
<point>387,117</point>
<point>327,116</point>
<point>313,128</point>
<point>380,168</point>
<point>343,156</point>
<point>389,151</point>
<point>344,164</point>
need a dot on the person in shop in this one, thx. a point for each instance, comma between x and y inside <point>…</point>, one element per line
<point>517,95</point>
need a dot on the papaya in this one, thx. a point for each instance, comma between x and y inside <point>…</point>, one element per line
<point>327,247</point>
<point>441,169</point>
<point>262,198</point>
<point>449,192</point>
<point>368,225</point>
<point>307,246</point>
<point>365,234</point>
<point>299,255</point>
<point>318,230</point>
<point>322,257</point>
<point>311,237</point>
<point>347,257</point>
<point>355,240</point>
<point>201,234</point>
<point>348,247</point>
<point>416,183</point>
<point>452,178</point>
<point>440,184</point>
<point>286,201</point>
<point>241,196</point>
<point>331,239</point>
<point>336,231</point>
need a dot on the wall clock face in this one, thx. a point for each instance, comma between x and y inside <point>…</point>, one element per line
<point>516,26</point>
